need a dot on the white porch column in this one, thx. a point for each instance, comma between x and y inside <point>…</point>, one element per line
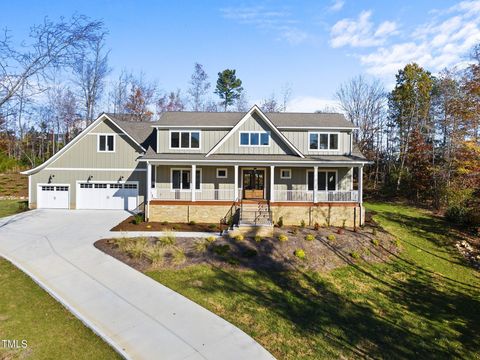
<point>272,183</point>
<point>360,184</point>
<point>315,183</point>
<point>235,193</point>
<point>193,181</point>
<point>148,191</point>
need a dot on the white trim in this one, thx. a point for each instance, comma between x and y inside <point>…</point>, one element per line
<point>106,143</point>
<point>272,183</point>
<point>126,133</point>
<point>180,148</point>
<point>289,173</point>
<point>54,184</point>
<point>328,142</point>
<point>318,127</point>
<point>95,169</point>
<point>193,182</point>
<point>264,178</point>
<point>326,170</point>
<point>235,171</point>
<point>289,162</point>
<point>278,127</point>
<point>56,156</point>
<point>192,126</point>
<point>29,190</point>
<point>267,121</point>
<point>221,177</point>
<point>250,138</point>
<point>185,190</point>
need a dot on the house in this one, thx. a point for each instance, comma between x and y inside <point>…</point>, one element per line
<point>197,166</point>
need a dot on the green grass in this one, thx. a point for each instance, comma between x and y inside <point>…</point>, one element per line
<point>10,207</point>
<point>28,313</point>
<point>423,303</point>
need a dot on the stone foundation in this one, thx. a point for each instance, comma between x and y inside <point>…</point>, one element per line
<point>186,213</point>
<point>252,231</point>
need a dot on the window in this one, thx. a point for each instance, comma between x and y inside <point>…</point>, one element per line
<point>106,143</point>
<point>86,186</point>
<point>185,139</point>
<point>180,179</point>
<point>285,173</point>
<point>222,173</point>
<point>129,186</point>
<point>254,138</point>
<point>323,141</point>
<point>100,186</point>
<point>116,186</point>
<point>327,180</point>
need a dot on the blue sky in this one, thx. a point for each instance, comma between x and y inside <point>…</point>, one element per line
<point>312,45</point>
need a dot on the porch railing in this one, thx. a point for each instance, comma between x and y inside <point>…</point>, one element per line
<point>200,195</point>
<point>322,196</point>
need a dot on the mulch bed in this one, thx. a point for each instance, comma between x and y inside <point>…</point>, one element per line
<point>129,225</point>
<point>370,244</point>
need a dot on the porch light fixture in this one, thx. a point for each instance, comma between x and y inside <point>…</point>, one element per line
<point>120,178</point>
<point>90,178</point>
<point>50,178</point>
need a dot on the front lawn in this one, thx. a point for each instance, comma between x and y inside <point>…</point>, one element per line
<point>423,303</point>
<point>11,207</point>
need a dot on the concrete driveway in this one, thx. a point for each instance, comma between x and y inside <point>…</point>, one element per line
<point>138,316</point>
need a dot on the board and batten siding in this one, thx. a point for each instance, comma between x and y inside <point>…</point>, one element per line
<point>208,139</point>
<point>300,139</point>
<point>82,160</point>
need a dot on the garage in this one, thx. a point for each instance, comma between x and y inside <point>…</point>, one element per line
<point>51,196</point>
<point>107,195</point>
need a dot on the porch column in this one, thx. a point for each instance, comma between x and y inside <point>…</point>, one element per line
<point>360,184</point>
<point>148,191</point>
<point>193,181</point>
<point>235,193</point>
<point>272,183</point>
<point>315,183</point>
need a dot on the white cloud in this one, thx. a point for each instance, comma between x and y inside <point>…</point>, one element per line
<point>311,104</point>
<point>337,5</point>
<point>361,32</point>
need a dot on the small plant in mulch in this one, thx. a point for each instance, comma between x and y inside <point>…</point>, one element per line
<point>302,223</point>
<point>239,237</point>
<point>164,223</point>
<point>212,226</point>
<point>340,231</point>
<point>374,231</point>
<point>375,242</point>
<point>192,223</point>
<point>167,239</point>
<point>138,219</point>
<point>310,237</point>
<point>249,253</point>
<point>283,238</point>
<point>201,246</point>
<point>344,221</point>
<point>331,237</point>
<point>175,227</point>
<point>210,239</point>
<point>136,247</point>
<point>280,222</point>
<point>316,226</point>
<point>355,254</point>
<point>156,255</point>
<point>299,253</point>
<point>258,238</point>
<point>178,256</point>
<point>221,250</point>
<point>294,231</point>
<point>232,261</point>
<point>396,243</point>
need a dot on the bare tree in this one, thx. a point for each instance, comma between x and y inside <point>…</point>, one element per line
<point>170,102</point>
<point>119,92</point>
<point>140,99</point>
<point>271,104</point>
<point>286,95</point>
<point>199,87</point>
<point>242,104</point>
<point>90,71</point>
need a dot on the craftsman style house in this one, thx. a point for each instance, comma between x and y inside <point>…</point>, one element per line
<point>199,166</point>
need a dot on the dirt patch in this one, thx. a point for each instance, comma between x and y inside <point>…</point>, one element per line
<point>13,185</point>
<point>319,250</point>
<point>129,225</point>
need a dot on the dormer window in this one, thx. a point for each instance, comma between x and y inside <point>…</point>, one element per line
<point>323,141</point>
<point>254,138</point>
<point>185,139</point>
<point>106,143</point>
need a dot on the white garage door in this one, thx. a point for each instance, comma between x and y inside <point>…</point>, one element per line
<point>53,196</point>
<point>91,195</point>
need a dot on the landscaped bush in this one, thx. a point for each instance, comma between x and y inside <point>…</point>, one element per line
<point>178,256</point>
<point>331,237</point>
<point>211,239</point>
<point>299,253</point>
<point>344,221</point>
<point>192,223</point>
<point>283,238</point>
<point>175,227</point>
<point>309,237</point>
<point>280,222</point>
<point>396,243</point>
<point>239,237</point>
<point>316,226</point>
<point>355,254</point>
<point>302,223</point>
<point>220,250</point>
<point>212,226</point>
<point>249,253</point>
<point>136,247</point>
<point>232,261</point>
<point>22,206</point>
<point>201,246</point>
<point>340,231</point>
<point>138,219</point>
<point>155,254</point>
<point>375,242</point>
<point>164,222</point>
<point>374,231</point>
<point>168,239</point>
<point>258,238</point>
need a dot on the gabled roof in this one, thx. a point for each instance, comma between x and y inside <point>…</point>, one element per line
<point>229,119</point>
<point>101,118</point>
<point>256,109</point>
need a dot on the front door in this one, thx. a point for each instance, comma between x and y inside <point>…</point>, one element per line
<point>253,184</point>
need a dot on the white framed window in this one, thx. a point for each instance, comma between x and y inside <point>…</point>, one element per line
<point>222,173</point>
<point>322,141</point>
<point>254,138</point>
<point>285,173</point>
<point>180,179</point>
<point>185,139</point>
<point>327,180</point>
<point>105,143</point>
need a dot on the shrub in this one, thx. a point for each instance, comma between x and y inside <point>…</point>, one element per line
<point>221,250</point>
<point>175,227</point>
<point>299,253</point>
<point>331,237</point>
<point>316,227</point>
<point>192,223</point>
<point>375,242</point>
<point>212,226</point>
<point>232,261</point>
<point>396,243</point>
<point>239,237</point>
<point>302,223</point>
<point>178,256</point>
<point>344,221</point>
<point>355,254</point>
<point>121,243</point>
<point>283,238</point>
<point>340,231</point>
<point>258,238</point>
<point>168,239</point>
<point>22,206</point>
<point>136,247</point>
<point>138,219</point>
<point>164,222</point>
<point>156,255</point>
<point>374,231</point>
<point>309,237</point>
<point>280,222</point>
<point>211,239</point>
<point>249,253</point>
<point>201,246</point>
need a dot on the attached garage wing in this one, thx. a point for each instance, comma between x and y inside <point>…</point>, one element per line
<point>107,195</point>
<point>51,196</point>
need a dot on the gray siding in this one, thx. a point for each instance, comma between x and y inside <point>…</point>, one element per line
<point>208,139</point>
<point>300,139</point>
<point>299,178</point>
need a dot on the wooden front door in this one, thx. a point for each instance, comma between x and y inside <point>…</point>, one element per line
<point>253,184</point>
